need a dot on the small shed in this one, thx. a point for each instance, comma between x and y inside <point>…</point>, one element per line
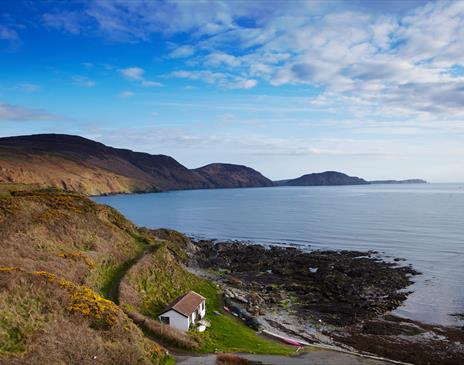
<point>184,311</point>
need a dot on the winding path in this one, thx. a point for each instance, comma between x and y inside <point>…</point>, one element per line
<point>317,357</point>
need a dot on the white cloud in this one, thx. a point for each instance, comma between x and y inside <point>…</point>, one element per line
<point>8,34</point>
<point>343,49</point>
<point>133,73</point>
<point>18,113</point>
<point>147,83</point>
<point>241,83</point>
<point>28,87</point>
<point>126,94</point>
<point>82,81</point>
<point>225,80</point>
<point>68,21</point>
<point>137,74</point>
<point>217,59</point>
<point>182,51</point>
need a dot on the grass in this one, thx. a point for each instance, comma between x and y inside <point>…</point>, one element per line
<point>159,279</point>
<point>20,315</point>
<point>45,319</point>
<point>229,334</point>
<point>108,275</point>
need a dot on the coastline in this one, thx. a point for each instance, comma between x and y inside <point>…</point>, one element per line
<point>156,190</point>
<point>347,218</point>
<point>373,332</point>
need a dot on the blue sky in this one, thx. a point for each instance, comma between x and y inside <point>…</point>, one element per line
<point>371,88</point>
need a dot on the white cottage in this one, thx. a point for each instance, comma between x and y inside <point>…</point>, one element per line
<point>184,311</point>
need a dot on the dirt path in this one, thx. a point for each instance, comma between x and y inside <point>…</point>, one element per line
<point>113,291</point>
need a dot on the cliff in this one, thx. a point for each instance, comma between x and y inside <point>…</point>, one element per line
<point>221,175</point>
<point>78,164</point>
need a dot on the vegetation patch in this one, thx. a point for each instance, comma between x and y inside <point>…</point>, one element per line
<point>159,278</point>
<point>231,359</point>
<point>88,303</point>
<point>78,256</point>
<point>20,315</point>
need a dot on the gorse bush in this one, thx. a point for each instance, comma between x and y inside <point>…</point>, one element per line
<point>88,303</point>
<point>84,301</point>
<point>45,319</point>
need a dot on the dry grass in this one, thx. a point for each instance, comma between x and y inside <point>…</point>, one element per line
<point>66,234</point>
<point>164,333</point>
<point>65,247</point>
<point>38,325</point>
<point>155,281</point>
<point>59,172</point>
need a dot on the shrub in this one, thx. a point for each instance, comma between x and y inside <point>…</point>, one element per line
<point>88,303</point>
<point>230,359</point>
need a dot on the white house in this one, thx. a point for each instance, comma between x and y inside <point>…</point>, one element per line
<point>184,311</point>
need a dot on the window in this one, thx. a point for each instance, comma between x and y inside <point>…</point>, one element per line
<point>164,319</point>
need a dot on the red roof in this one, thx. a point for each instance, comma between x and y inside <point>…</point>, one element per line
<point>186,304</point>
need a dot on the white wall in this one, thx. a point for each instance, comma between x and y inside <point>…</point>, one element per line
<point>202,312</point>
<point>177,320</point>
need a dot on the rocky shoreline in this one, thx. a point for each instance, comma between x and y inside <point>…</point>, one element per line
<point>340,299</point>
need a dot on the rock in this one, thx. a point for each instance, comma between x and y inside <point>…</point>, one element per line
<point>341,288</point>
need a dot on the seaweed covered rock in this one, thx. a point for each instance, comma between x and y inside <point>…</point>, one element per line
<point>339,287</point>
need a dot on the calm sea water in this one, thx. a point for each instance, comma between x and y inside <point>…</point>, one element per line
<point>422,223</point>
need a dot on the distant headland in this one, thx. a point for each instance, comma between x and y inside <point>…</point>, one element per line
<point>78,164</point>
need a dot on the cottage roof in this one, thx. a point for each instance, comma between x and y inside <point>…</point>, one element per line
<point>186,304</point>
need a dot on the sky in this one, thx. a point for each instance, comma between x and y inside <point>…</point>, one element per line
<point>370,88</point>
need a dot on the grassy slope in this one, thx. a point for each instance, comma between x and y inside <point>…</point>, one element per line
<point>68,238</point>
<point>159,278</point>
<point>87,244</point>
<point>47,320</point>
<point>62,172</point>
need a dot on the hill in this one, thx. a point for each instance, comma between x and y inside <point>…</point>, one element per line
<point>408,181</point>
<point>78,164</point>
<point>60,252</point>
<point>232,176</point>
<point>65,297</point>
<point>323,178</point>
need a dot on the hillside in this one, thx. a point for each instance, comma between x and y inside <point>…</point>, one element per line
<point>323,178</point>
<point>63,260</point>
<point>60,253</point>
<point>232,176</point>
<point>78,164</point>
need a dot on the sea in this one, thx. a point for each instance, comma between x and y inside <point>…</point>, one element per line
<point>421,223</point>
